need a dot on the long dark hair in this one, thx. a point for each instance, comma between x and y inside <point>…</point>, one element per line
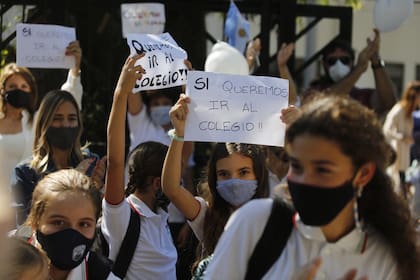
<point>219,210</point>
<point>358,133</point>
<point>145,163</point>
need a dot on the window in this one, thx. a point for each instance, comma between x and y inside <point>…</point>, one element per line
<point>396,73</point>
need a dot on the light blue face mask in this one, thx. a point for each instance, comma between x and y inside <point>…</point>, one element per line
<point>236,191</point>
<point>160,114</point>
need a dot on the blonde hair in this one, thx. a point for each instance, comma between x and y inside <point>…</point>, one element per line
<point>41,148</point>
<point>408,98</point>
<point>65,180</point>
<point>12,69</point>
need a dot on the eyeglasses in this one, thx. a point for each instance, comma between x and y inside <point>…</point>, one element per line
<point>333,59</point>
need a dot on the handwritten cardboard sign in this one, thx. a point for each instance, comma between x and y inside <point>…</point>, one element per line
<point>44,46</point>
<point>235,108</point>
<point>163,62</point>
<point>147,18</point>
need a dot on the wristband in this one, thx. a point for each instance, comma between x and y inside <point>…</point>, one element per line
<point>379,64</point>
<point>173,136</point>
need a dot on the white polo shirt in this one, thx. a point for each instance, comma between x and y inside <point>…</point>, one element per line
<point>368,253</point>
<point>197,225</point>
<point>155,256</point>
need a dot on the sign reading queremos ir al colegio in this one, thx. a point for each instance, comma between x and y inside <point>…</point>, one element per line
<point>163,61</point>
<point>235,108</point>
<point>44,45</point>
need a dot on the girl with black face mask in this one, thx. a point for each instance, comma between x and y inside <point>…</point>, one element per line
<point>18,101</point>
<point>63,220</point>
<point>58,127</point>
<point>347,213</point>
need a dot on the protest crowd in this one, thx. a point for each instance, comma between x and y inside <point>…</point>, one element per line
<point>318,184</point>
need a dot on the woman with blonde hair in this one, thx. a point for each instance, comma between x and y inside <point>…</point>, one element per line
<point>398,129</point>
<point>18,101</point>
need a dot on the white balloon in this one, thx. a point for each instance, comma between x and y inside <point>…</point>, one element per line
<point>390,14</point>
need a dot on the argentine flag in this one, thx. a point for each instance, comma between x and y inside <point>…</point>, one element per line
<point>237,29</point>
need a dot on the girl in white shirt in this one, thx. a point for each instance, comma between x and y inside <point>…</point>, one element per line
<point>155,255</point>
<point>65,209</point>
<point>236,174</point>
<point>347,211</point>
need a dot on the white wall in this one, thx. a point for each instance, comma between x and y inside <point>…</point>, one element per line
<point>399,46</point>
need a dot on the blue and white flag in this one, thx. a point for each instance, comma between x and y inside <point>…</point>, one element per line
<point>237,28</point>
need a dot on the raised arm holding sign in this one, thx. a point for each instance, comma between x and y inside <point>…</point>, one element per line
<point>44,46</point>
<point>235,108</point>
<point>164,61</point>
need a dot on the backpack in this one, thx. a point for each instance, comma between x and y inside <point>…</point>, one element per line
<point>272,241</point>
<point>100,251</point>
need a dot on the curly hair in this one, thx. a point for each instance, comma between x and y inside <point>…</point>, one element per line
<point>359,135</point>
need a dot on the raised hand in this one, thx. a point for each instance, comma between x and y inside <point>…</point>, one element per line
<point>285,52</point>
<point>290,114</point>
<point>375,43</point>
<point>369,52</point>
<point>252,52</point>
<point>98,173</point>
<point>130,73</point>
<point>74,49</point>
<point>178,114</point>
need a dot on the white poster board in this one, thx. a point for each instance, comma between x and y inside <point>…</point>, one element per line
<point>148,18</point>
<point>163,62</point>
<point>235,108</point>
<point>44,46</point>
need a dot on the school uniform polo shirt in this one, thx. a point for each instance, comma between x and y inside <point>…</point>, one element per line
<point>368,253</point>
<point>155,256</point>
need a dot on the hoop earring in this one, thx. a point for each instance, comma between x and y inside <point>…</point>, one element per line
<point>357,219</point>
<point>2,114</point>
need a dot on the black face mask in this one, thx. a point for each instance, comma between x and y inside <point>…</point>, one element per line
<point>62,138</point>
<point>17,98</point>
<point>318,206</point>
<point>66,249</point>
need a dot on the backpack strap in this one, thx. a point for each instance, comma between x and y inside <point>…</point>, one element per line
<point>128,245</point>
<point>98,266</point>
<point>272,241</point>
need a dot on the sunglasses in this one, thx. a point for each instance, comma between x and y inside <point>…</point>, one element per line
<point>333,59</point>
<point>416,88</point>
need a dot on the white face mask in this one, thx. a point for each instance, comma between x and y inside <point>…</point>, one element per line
<point>338,71</point>
<point>160,114</point>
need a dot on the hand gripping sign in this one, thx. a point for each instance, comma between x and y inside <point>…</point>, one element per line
<point>44,45</point>
<point>163,62</point>
<point>236,108</point>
